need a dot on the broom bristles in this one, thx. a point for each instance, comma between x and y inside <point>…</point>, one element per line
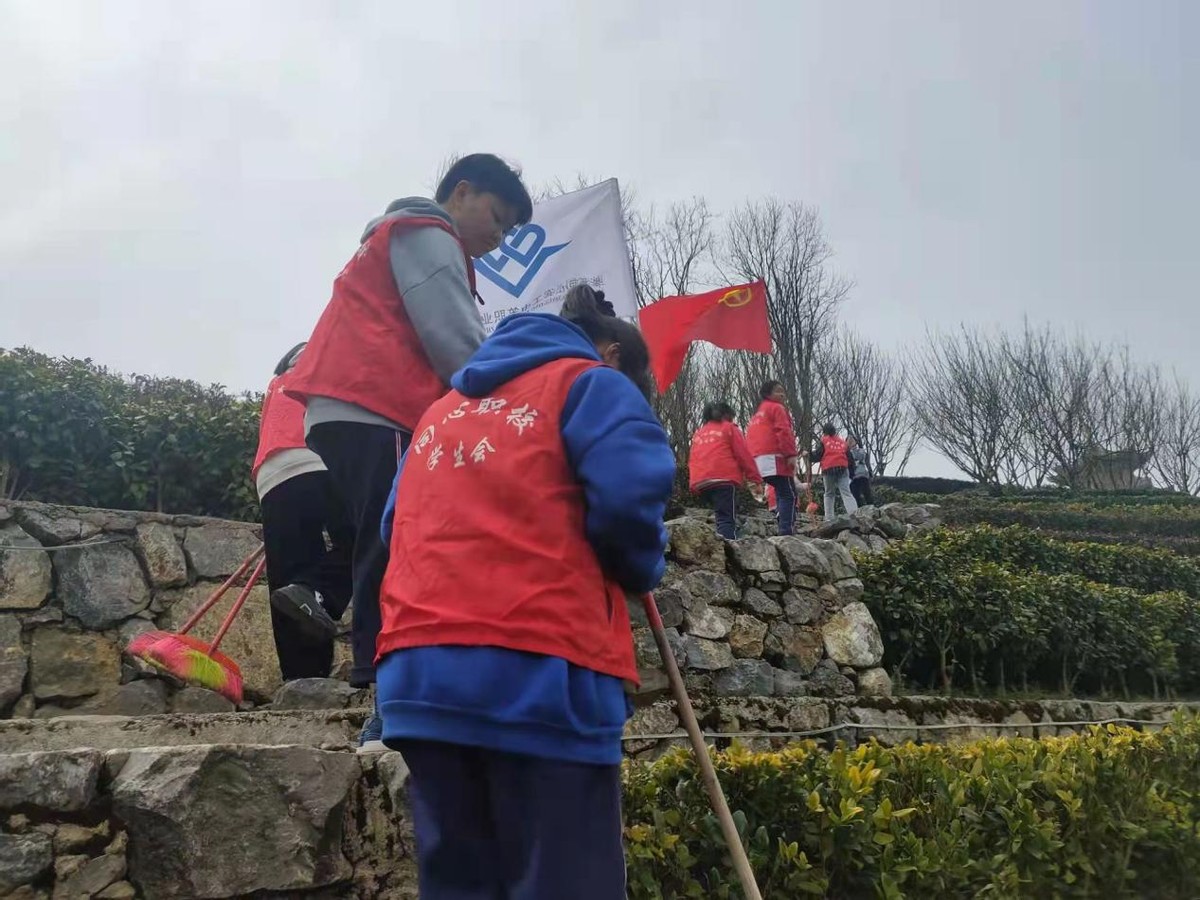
<point>191,660</point>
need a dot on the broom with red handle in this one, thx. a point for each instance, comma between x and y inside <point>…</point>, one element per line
<point>193,660</point>
<point>708,773</point>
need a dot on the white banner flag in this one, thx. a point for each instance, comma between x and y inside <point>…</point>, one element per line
<point>572,239</point>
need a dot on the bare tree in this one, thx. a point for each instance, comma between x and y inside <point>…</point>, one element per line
<point>964,402</point>
<point>1176,459</point>
<point>867,390</point>
<point>784,245</point>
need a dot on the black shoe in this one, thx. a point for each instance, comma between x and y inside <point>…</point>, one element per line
<point>303,606</point>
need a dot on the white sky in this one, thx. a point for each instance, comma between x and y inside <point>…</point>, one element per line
<point>180,182</point>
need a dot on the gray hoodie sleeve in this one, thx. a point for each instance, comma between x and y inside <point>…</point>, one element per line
<point>431,273</point>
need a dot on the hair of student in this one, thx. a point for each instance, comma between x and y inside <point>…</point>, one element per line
<point>829,429</point>
<point>289,358</point>
<point>768,388</point>
<point>488,174</point>
<point>585,307</point>
<point>717,411</point>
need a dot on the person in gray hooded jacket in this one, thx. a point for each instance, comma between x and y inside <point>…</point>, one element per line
<point>401,321</point>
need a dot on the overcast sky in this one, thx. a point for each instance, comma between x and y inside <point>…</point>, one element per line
<point>180,181</point>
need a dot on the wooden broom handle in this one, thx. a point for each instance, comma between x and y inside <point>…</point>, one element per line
<point>220,592</point>
<point>708,773</point>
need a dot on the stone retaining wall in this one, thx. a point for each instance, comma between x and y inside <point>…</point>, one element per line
<point>758,616</point>
<point>66,611</point>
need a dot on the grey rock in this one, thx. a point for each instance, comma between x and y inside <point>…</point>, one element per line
<point>145,697</point>
<point>24,570</point>
<point>24,858</point>
<point>25,707</point>
<point>804,582</point>
<point>705,621</point>
<point>789,684</point>
<point>92,877</point>
<point>876,544</point>
<point>318,693</point>
<point>801,607</point>
<point>714,588</point>
<point>833,527</point>
<point>760,604</point>
<point>791,647</point>
<point>831,598</point>
<point>652,676</point>
<point>199,700</point>
<point>746,637</point>
<point>216,550</point>
<point>886,726</point>
<point>841,563</point>
<point>658,718</point>
<point>850,589</point>
<point>773,581</point>
<point>55,780</point>
<point>854,542</point>
<point>891,526</point>
<point>71,838</point>
<point>800,557</point>
<point>67,664</point>
<point>746,678</point>
<point>670,603</point>
<point>14,662</point>
<point>808,715</point>
<point>120,890</point>
<point>874,683</point>
<point>754,554</point>
<point>50,525</point>
<point>707,656</point>
<point>176,804</point>
<point>46,615</point>
<point>101,585</point>
<point>852,638</point>
<point>827,681</point>
<point>161,554</point>
<point>695,543</point>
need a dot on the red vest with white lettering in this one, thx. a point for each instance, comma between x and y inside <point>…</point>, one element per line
<point>835,455</point>
<point>364,349</point>
<point>488,546</point>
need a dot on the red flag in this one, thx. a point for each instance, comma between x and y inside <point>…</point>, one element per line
<point>733,318</point>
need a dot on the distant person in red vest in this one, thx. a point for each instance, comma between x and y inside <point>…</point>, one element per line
<point>530,502</point>
<point>834,456</point>
<point>719,462</point>
<point>299,506</point>
<point>772,440</point>
<point>402,320</point>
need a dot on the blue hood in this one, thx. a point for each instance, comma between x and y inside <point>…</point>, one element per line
<point>521,342</point>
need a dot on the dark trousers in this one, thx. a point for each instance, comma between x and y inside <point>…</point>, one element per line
<point>785,502</point>
<point>861,489</point>
<point>362,461</point>
<point>722,497</point>
<point>296,515</point>
<point>499,826</point>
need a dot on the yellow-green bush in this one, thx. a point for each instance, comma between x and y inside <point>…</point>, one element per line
<point>1114,812</point>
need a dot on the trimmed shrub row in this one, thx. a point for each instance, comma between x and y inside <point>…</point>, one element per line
<point>950,618</point>
<point>1112,813</point>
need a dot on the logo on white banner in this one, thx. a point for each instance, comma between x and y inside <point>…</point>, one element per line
<point>526,248</point>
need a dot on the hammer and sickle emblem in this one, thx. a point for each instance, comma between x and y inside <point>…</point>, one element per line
<point>737,297</point>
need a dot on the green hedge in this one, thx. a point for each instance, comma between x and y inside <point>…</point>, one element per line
<point>1112,813</point>
<point>73,432</point>
<point>1158,520</point>
<point>963,610</point>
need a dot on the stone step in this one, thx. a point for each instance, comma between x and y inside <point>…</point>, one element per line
<point>328,729</point>
<point>889,719</point>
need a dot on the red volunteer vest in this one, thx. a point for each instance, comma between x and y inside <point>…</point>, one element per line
<point>282,424</point>
<point>835,455</point>
<point>763,435</point>
<point>713,457</point>
<point>364,349</point>
<point>488,545</point>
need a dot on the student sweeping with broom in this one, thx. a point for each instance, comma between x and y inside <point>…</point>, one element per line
<point>530,502</point>
<point>299,506</point>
